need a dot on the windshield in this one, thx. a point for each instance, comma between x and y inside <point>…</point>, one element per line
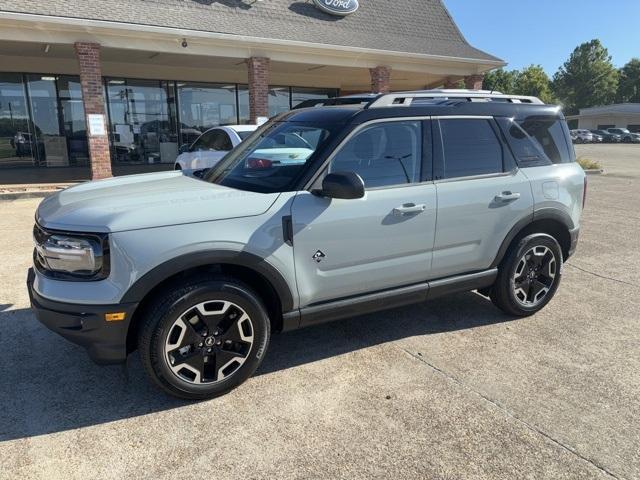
<point>271,159</point>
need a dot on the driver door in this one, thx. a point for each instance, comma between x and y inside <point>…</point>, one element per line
<point>344,248</point>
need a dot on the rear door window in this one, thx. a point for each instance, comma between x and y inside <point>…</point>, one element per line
<point>470,147</point>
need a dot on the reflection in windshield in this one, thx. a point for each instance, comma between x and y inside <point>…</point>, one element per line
<point>271,159</point>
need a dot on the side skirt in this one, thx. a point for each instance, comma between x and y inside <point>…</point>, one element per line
<point>386,299</point>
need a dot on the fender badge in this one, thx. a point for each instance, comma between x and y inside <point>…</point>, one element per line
<point>318,256</point>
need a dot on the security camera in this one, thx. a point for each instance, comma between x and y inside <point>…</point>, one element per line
<point>184,43</point>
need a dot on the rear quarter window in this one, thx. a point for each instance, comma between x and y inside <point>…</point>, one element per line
<point>538,140</point>
<point>551,134</point>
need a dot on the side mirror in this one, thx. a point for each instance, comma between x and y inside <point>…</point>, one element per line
<point>347,185</point>
<point>183,148</point>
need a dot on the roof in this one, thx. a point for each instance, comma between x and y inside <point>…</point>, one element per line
<point>359,114</point>
<point>413,26</point>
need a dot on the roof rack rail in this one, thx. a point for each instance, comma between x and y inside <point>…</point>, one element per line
<point>405,99</point>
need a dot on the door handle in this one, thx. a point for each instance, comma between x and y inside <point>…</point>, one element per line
<point>409,208</point>
<point>507,196</point>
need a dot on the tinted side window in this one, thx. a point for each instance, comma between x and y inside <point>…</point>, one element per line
<point>206,141</point>
<point>221,141</point>
<point>383,154</point>
<point>549,134</point>
<point>470,147</point>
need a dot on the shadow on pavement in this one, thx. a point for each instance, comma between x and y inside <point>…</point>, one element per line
<point>48,385</point>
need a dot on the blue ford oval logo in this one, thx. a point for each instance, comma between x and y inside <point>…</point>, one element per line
<point>337,7</point>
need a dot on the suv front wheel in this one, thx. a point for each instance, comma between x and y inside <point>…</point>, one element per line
<point>204,338</point>
<point>529,275</point>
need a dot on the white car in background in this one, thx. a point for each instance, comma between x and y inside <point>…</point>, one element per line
<point>581,136</point>
<point>210,147</point>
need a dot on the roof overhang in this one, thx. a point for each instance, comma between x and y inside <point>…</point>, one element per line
<point>66,30</point>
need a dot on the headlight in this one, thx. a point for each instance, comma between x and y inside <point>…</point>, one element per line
<point>68,255</point>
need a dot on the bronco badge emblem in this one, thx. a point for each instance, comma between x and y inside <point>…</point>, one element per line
<point>318,256</point>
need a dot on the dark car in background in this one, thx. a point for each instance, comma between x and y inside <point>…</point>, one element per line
<point>607,137</point>
<point>625,135</point>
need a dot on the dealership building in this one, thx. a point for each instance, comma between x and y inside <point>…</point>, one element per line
<point>619,115</point>
<point>93,88</point>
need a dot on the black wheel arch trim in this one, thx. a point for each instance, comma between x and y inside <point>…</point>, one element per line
<point>541,214</point>
<point>160,273</point>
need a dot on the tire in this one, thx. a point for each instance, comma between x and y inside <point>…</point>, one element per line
<point>517,289</point>
<point>226,334</point>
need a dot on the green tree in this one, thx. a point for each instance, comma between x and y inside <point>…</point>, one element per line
<point>500,80</point>
<point>535,82</point>
<point>629,85</point>
<point>587,79</point>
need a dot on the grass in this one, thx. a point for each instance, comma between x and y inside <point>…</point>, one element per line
<point>588,164</point>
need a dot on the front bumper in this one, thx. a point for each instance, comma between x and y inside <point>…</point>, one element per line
<point>85,325</point>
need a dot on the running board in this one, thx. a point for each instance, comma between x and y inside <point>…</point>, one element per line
<point>397,297</point>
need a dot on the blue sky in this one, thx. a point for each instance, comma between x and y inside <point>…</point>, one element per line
<point>545,32</point>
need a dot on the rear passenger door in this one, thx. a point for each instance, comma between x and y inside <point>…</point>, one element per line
<point>481,194</point>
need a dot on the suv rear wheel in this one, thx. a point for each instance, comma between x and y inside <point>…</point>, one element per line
<point>202,339</point>
<point>529,276</point>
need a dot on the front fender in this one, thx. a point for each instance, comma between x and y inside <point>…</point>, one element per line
<point>142,286</point>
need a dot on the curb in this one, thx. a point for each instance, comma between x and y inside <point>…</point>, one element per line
<point>594,171</point>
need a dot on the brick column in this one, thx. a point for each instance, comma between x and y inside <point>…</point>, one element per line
<point>474,82</point>
<point>93,99</point>
<point>380,79</point>
<point>258,71</point>
<point>451,83</point>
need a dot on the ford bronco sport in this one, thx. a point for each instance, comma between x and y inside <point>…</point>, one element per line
<point>322,213</point>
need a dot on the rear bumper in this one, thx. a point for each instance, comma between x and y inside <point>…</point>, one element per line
<point>85,325</point>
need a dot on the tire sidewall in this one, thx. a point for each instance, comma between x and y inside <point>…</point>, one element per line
<point>203,292</point>
<point>523,246</point>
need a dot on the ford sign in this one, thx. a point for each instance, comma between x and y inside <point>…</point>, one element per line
<point>337,7</point>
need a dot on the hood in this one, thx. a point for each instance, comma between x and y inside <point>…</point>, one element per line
<point>143,201</point>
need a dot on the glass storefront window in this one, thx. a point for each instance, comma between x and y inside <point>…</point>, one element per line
<point>203,106</point>
<point>279,100</point>
<point>73,119</point>
<point>301,94</point>
<point>243,104</point>
<point>142,121</point>
<point>58,122</point>
<point>15,134</point>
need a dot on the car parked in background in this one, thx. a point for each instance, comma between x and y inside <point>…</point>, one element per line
<point>625,135</point>
<point>606,136</point>
<point>210,147</point>
<point>581,136</point>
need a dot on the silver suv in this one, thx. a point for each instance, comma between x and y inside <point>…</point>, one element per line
<point>321,214</point>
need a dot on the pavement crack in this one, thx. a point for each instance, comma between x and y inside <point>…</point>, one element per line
<point>598,275</point>
<point>510,414</point>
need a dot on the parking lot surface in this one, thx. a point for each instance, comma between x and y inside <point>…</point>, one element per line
<point>448,389</point>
